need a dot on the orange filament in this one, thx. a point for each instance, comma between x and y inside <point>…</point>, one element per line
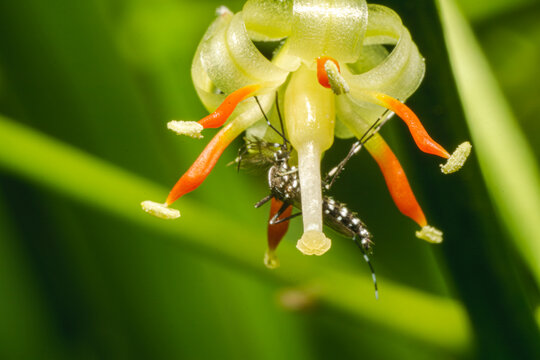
<point>419,134</point>
<point>322,76</point>
<point>204,163</point>
<point>211,153</point>
<point>276,232</point>
<point>396,180</point>
<point>222,113</point>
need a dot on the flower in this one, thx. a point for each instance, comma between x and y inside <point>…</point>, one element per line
<point>334,76</point>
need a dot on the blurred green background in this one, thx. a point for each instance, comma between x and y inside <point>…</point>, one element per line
<point>86,88</point>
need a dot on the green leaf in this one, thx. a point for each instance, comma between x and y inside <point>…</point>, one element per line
<point>508,165</point>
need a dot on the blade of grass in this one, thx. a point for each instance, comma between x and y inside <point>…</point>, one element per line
<point>480,10</point>
<point>86,179</point>
<point>508,165</point>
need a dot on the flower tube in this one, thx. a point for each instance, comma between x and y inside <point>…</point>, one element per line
<point>309,117</point>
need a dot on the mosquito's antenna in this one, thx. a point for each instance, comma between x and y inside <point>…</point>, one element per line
<point>241,152</point>
<point>285,141</point>
<point>355,148</point>
<point>281,120</point>
<point>366,258</point>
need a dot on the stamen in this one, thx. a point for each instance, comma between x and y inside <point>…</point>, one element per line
<point>205,162</point>
<point>217,118</point>
<point>337,82</point>
<point>160,210</point>
<point>222,113</point>
<point>329,75</point>
<point>190,128</point>
<point>396,180</point>
<point>211,153</point>
<point>322,75</point>
<point>419,134</point>
<point>430,234</point>
<point>458,158</point>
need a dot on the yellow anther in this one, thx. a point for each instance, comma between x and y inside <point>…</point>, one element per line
<point>189,128</point>
<point>160,210</point>
<point>457,159</point>
<point>430,234</point>
<point>337,82</point>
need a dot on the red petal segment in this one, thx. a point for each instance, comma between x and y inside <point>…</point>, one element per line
<point>276,232</point>
<point>419,134</point>
<point>396,180</point>
<point>222,113</point>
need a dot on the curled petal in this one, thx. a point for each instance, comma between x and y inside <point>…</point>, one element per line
<point>268,19</point>
<point>397,73</point>
<point>334,28</point>
<point>227,60</point>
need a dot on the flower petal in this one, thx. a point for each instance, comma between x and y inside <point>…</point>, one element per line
<point>335,28</point>
<point>400,72</point>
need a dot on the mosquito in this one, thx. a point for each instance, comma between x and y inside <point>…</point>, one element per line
<point>284,185</point>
